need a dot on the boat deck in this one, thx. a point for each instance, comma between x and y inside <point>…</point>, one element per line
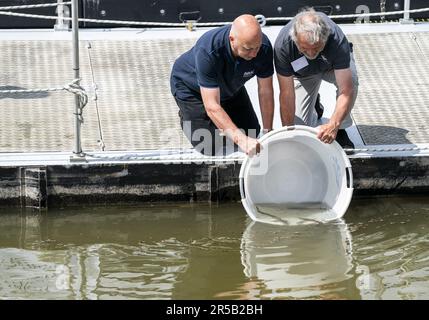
<point>134,109</point>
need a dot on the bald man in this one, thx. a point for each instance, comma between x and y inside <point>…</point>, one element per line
<point>208,81</point>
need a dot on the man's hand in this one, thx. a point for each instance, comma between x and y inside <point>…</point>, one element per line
<point>327,132</point>
<point>249,145</point>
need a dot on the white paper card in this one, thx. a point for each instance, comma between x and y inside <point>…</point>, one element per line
<point>300,63</point>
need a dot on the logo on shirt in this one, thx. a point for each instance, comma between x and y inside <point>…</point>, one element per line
<point>248,74</point>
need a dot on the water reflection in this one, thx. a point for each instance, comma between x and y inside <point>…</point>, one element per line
<point>169,252</point>
<point>210,252</point>
<point>391,252</point>
<point>95,256</point>
<point>298,262</point>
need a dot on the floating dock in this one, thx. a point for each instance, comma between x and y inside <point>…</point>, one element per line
<point>134,149</point>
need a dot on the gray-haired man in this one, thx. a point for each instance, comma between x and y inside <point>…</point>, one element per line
<point>309,49</point>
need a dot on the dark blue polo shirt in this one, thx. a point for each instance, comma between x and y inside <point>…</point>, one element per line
<point>335,55</point>
<point>210,64</point>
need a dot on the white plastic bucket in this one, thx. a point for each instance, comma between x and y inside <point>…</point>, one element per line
<point>296,179</point>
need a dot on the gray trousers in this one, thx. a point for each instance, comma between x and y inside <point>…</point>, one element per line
<point>306,90</point>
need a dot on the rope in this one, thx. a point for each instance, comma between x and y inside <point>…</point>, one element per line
<point>38,16</point>
<point>202,24</point>
<point>31,6</point>
<point>357,15</point>
<point>422,51</point>
<point>386,149</point>
<point>73,87</point>
<point>94,86</point>
<point>189,155</point>
<point>168,155</point>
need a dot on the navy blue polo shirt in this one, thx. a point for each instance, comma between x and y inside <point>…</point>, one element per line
<point>211,64</point>
<point>335,55</point>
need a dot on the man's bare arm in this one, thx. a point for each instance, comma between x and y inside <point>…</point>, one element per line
<point>266,102</point>
<point>211,100</point>
<point>287,100</point>
<point>328,132</point>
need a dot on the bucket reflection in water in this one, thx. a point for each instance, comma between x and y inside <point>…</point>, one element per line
<point>312,261</point>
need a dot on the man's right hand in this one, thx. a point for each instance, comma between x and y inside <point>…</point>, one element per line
<point>249,145</point>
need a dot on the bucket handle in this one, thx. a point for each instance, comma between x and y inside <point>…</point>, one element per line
<point>242,191</point>
<point>349,177</point>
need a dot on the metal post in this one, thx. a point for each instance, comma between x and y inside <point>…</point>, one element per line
<point>406,18</point>
<point>75,34</point>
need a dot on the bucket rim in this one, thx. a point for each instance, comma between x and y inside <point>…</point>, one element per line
<point>275,132</point>
<point>287,128</point>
